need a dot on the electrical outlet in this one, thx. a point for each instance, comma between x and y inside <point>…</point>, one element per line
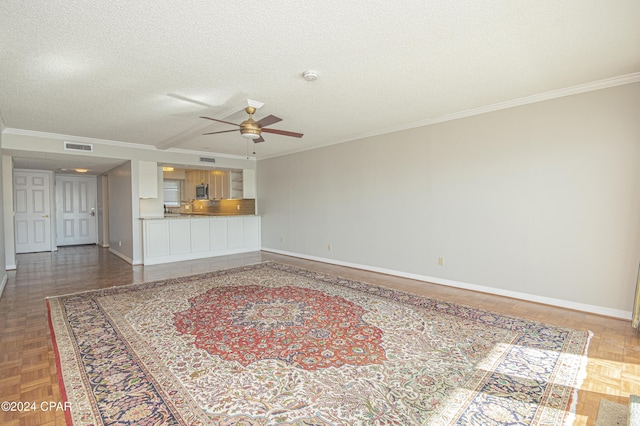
<point>441,261</point>
<point>282,239</point>
<point>329,247</point>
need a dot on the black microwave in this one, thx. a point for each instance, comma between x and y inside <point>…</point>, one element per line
<point>202,192</point>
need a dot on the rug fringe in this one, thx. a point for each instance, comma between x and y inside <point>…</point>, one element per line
<point>61,388</point>
<point>580,377</point>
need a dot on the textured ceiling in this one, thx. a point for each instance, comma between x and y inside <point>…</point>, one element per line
<point>104,69</point>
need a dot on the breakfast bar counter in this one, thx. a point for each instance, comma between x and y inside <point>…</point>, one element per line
<point>186,237</point>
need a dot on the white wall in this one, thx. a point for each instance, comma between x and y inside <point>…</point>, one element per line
<point>7,211</point>
<point>3,265</point>
<point>539,201</point>
<point>103,210</point>
<point>121,226</point>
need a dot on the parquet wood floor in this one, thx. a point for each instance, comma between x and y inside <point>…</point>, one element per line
<point>27,361</point>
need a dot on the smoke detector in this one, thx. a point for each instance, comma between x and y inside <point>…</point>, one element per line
<point>310,75</point>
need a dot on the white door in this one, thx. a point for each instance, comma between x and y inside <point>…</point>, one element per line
<point>32,201</point>
<point>76,203</point>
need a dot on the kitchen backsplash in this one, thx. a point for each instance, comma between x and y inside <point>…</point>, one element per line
<point>245,206</point>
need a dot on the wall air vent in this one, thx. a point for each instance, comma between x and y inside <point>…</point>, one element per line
<point>207,160</point>
<point>72,146</point>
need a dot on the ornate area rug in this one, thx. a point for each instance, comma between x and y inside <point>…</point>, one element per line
<point>271,344</point>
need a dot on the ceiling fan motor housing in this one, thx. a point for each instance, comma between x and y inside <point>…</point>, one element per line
<point>250,129</point>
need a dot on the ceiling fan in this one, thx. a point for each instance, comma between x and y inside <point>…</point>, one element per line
<point>252,129</point>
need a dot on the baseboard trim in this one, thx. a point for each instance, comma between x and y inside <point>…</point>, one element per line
<point>3,283</point>
<point>124,257</point>
<point>11,267</point>
<point>567,304</point>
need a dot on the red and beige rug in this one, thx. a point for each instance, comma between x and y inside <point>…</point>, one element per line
<point>271,344</point>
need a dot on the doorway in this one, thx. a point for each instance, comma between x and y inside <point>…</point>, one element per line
<point>32,204</point>
<point>76,210</point>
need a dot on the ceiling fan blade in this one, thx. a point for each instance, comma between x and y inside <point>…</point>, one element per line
<point>224,131</point>
<point>283,132</point>
<point>269,120</point>
<point>220,121</point>
<point>260,139</point>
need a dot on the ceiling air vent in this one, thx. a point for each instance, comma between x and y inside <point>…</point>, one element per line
<point>72,146</point>
<point>207,160</point>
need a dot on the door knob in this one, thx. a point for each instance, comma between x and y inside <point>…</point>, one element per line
<point>46,215</point>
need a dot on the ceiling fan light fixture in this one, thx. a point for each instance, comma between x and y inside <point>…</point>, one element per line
<point>250,135</point>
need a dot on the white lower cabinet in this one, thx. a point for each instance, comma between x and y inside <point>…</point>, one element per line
<point>175,239</point>
<point>250,231</point>
<point>218,233</point>
<point>200,238</point>
<point>234,232</point>
<point>179,236</point>
<point>156,238</point>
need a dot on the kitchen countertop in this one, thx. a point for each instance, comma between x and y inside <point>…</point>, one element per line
<point>192,216</point>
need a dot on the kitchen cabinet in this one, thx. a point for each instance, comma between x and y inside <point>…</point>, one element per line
<point>243,231</point>
<point>248,183</point>
<point>179,237</point>
<point>147,179</point>
<point>156,239</point>
<point>243,183</point>
<point>174,239</point>
<point>218,233</point>
<point>218,181</point>
<point>200,241</point>
<point>218,185</point>
<point>191,179</point>
<point>234,232</point>
<point>236,183</point>
<point>250,231</point>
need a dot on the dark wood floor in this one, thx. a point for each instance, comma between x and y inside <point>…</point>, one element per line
<point>27,362</point>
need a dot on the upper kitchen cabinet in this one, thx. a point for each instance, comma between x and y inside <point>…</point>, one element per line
<point>218,181</point>
<point>243,183</point>
<point>218,185</point>
<point>249,183</point>
<point>191,179</point>
<point>236,183</point>
<point>223,184</point>
<point>147,179</point>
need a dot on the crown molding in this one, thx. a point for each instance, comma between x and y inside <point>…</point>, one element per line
<point>553,94</point>
<point>545,96</point>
